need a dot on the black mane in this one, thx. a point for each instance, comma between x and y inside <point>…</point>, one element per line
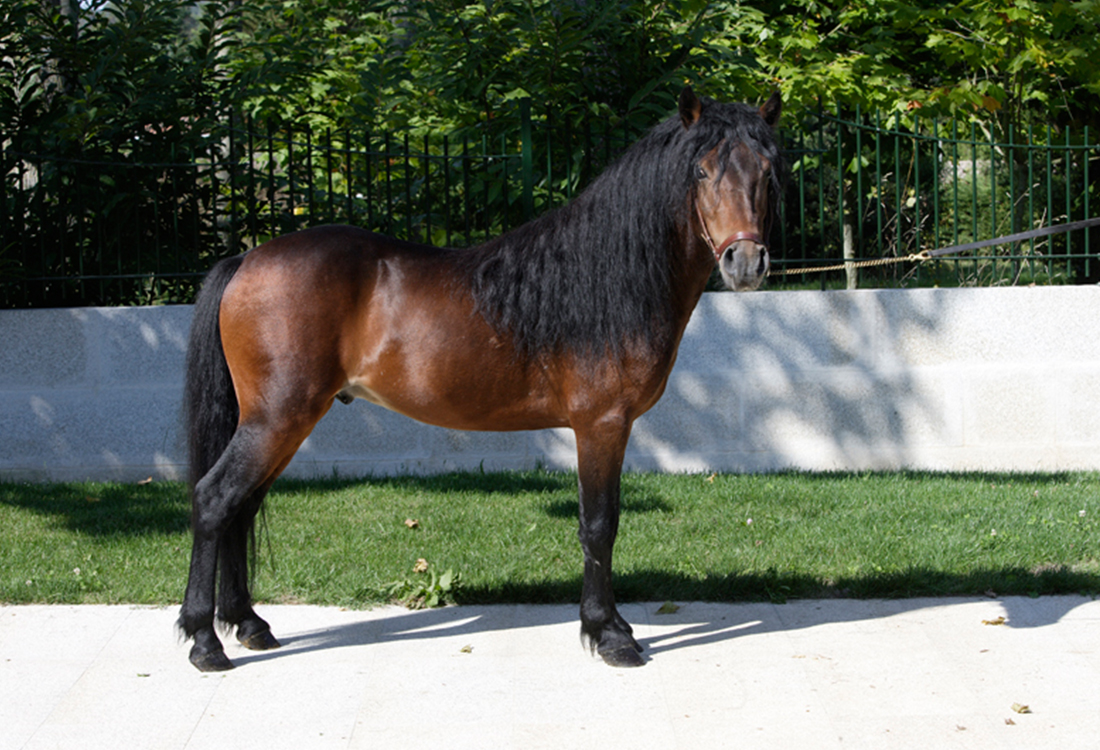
<point>599,270</point>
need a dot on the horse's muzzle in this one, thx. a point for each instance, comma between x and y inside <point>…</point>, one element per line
<point>744,264</point>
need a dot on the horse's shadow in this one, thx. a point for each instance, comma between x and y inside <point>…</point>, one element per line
<point>693,625</point>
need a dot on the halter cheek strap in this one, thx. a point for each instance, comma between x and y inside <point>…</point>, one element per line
<point>720,250</point>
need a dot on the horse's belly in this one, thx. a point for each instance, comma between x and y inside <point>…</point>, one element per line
<point>478,409</point>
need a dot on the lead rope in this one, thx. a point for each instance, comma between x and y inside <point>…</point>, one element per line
<point>911,258</point>
<point>924,255</point>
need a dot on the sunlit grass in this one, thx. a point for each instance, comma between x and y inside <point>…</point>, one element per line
<point>511,537</point>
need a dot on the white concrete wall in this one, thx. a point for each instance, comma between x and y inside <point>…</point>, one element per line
<point>953,379</point>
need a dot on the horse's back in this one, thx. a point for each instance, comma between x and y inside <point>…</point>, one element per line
<point>323,273</point>
<point>334,257</point>
<point>341,311</point>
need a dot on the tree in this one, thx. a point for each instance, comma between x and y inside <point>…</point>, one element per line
<point>101,77</point>
<point>453,63</point>
<point>1002,61</point>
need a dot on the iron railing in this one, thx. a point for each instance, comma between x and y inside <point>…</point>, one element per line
<point>108,228</point>
<point>888,190</point>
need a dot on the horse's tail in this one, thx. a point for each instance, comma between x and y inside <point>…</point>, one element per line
<point>212,409</point>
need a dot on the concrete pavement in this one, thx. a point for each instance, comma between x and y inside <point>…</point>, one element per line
<point>917,673</point>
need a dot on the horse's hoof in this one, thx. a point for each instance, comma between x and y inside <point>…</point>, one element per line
<point>624,656</point>
<point>262,641</point>
<point>210,661</point>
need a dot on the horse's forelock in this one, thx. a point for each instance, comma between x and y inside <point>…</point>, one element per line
<point>729,125</point>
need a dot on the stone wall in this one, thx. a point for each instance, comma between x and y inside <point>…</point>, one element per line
<point>946,379</point>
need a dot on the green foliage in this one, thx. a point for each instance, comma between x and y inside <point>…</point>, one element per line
<point>1003,60</point>
<point>1017,57</point>
<point>427,590</point>
<point>322,63</point>
<point>143,77</point>
<point>99,101</point>
<point>100,86</point>
<point>99,73</point>
<point>454,64</point>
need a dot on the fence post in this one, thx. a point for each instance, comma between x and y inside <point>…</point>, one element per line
<point>527,174</point>
<point>1085,160</point>
<point>5,221</point>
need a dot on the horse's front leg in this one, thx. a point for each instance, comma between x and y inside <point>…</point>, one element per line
<point>600,449</point>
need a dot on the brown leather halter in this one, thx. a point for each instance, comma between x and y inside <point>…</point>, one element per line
<point>720,250</point>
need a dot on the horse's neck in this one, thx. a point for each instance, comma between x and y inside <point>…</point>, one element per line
<point>693,266</point>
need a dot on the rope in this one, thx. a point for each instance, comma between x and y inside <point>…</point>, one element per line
<point>924,255</point>
<point>912,257</point>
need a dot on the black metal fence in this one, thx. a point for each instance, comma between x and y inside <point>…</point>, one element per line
<point>866,188</point>
<point>108,229</point>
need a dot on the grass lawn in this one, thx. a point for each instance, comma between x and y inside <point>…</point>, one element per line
<point>511,537</point>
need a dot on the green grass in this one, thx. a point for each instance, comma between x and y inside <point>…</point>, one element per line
<point>511,537</point>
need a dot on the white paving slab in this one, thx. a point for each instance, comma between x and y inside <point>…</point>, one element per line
<point>916,673</point>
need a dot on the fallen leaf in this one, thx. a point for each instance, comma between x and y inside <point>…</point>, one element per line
<point>1010,722</point>
<point>421,565</point>
<point>91,499</point>
<point>1020,708</point>
<point>999,621</point>
<point>147,480</point>
<point>668,608</point>
<point>712,477</point>
<point>467,649</point>
<point>412,523</point>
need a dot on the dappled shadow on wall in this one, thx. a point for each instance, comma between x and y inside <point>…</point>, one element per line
<point>774,380</point>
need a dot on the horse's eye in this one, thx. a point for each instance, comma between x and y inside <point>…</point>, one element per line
<point>700,173</point>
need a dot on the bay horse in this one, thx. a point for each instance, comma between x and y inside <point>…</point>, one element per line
<point>571,320</point>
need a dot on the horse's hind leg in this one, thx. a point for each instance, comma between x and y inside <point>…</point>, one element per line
<point>218,500</point>
<point>234,597</point>
<point>234,486</point>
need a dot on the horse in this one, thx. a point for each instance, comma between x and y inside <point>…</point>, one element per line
<point>571,320</point>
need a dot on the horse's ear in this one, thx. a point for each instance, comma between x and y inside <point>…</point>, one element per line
<point>771,109</point>
<point>690,107</point>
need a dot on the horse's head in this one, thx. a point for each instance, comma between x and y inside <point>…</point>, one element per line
<point>735,194</point>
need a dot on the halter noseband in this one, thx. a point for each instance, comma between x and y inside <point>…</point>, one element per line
<point>720,250</point>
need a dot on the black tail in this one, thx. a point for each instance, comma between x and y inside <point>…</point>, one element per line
<point>212,409</point>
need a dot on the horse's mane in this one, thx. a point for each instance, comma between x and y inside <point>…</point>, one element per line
<point>600,270</point>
